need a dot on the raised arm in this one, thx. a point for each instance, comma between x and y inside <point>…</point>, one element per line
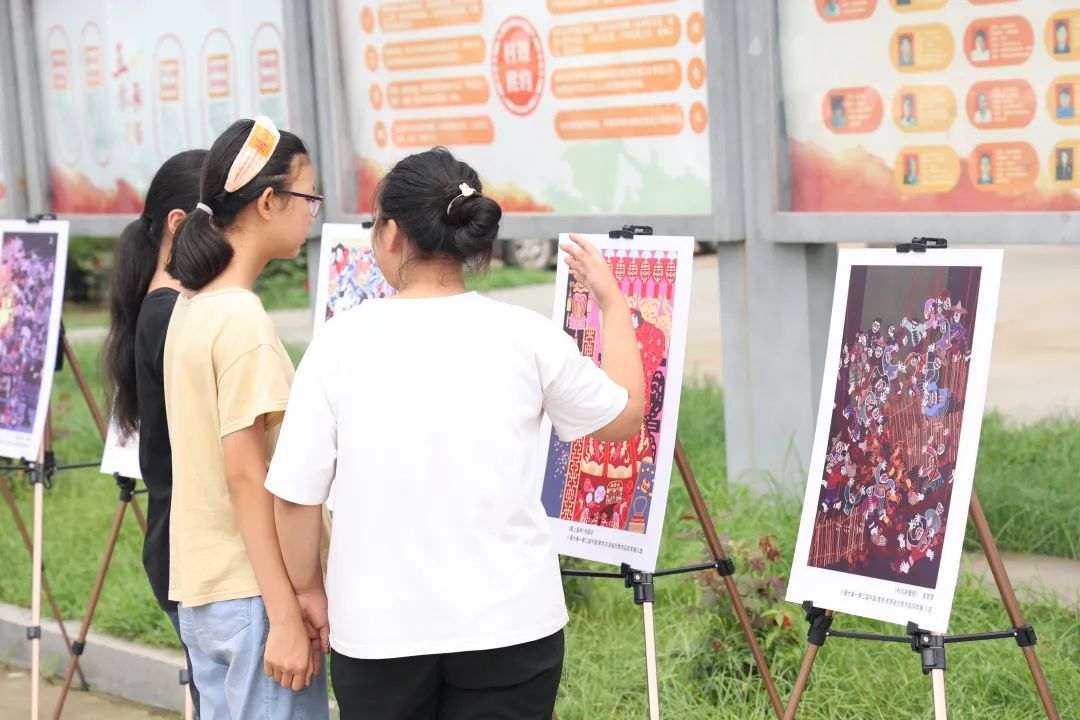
<point>621,358</point>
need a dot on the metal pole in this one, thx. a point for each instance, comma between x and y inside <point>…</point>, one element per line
<point>650,661</point>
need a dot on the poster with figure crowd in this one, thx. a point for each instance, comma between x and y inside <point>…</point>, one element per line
<point>33,259</point>
<point>348,274</point>
<point>606,500</point>
<point>897,434</point>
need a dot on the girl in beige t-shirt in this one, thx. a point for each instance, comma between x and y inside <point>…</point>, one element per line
<point>227,379</point>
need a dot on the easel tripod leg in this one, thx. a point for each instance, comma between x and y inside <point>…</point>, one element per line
<point>717,550</point>
<point>801,682</point>
<point>35,585</point>
<point>84,387</point>
<point>1012,606</point>
<point>650,661</point>
<point>139,517</point>
<point>820,620</point>
<point>9,498</point>
<point>938,677</point>
<point>95,594</point>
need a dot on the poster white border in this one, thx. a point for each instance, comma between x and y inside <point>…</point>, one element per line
<point>823,586</point>
<point>118,458</point>
<point>25,445</point>
<point>642,549</point>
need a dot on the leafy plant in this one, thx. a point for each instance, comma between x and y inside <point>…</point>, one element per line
<point>89,267</point>
<point>760,581</point>
<point>284,284</point>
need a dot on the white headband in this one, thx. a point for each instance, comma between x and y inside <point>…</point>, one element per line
<point>255,153</point>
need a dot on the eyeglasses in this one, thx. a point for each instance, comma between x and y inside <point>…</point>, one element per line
<point>314,201</point>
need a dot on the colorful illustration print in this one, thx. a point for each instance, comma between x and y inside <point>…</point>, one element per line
<point>354,277</point>
<point>611,484</point>
<point>898,407</point>
<point>27,266</point>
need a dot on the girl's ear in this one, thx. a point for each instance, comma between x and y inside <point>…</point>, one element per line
<point>392,237</point>
<point>172,222</point>
<point>263,204</point>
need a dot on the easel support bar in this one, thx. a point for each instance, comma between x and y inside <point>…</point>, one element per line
<point>868,636</point>
<point>725,567</point>
<point>821,629</point>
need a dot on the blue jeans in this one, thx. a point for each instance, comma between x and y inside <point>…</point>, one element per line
<point>174,618</point>
<point>226,641</point>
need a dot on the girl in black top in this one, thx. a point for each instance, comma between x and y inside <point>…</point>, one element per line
<point>141,303</point>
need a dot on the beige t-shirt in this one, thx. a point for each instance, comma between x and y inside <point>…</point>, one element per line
<point>224,367</point>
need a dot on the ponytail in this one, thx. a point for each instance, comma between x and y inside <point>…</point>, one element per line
<point>134,265</point>
<point>200,251</point>
<point>175,186</point>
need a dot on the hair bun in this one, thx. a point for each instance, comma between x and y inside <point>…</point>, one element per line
<point>476,221</point>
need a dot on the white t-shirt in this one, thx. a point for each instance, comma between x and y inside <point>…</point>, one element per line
<point>424,415</point>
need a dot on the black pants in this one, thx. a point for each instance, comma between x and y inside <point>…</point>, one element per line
<point>513,683</point>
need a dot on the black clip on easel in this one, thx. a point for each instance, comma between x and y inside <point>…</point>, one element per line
<point>922,244</point>
<point>628,232</point>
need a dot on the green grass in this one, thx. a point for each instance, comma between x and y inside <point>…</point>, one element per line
<point>81,315</point>
<point>1028,481</point>
<point>705,669</point>
<point>505,276</point>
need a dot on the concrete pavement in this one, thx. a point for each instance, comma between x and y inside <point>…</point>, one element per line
<point>1034,577</point>
<point>15,701</point>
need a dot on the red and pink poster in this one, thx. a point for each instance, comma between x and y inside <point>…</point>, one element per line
<point>606,500</point>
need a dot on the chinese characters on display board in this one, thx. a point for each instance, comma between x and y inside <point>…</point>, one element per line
<point>604,101</point>
<point>931,105</point>
<point>126,84</point>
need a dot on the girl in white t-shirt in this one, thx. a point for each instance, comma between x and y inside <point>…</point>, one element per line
<point>423,412</point>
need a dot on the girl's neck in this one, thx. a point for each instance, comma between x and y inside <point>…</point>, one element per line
<point>160,278</point>
<point>432,279</point>
<point>244,268</point>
